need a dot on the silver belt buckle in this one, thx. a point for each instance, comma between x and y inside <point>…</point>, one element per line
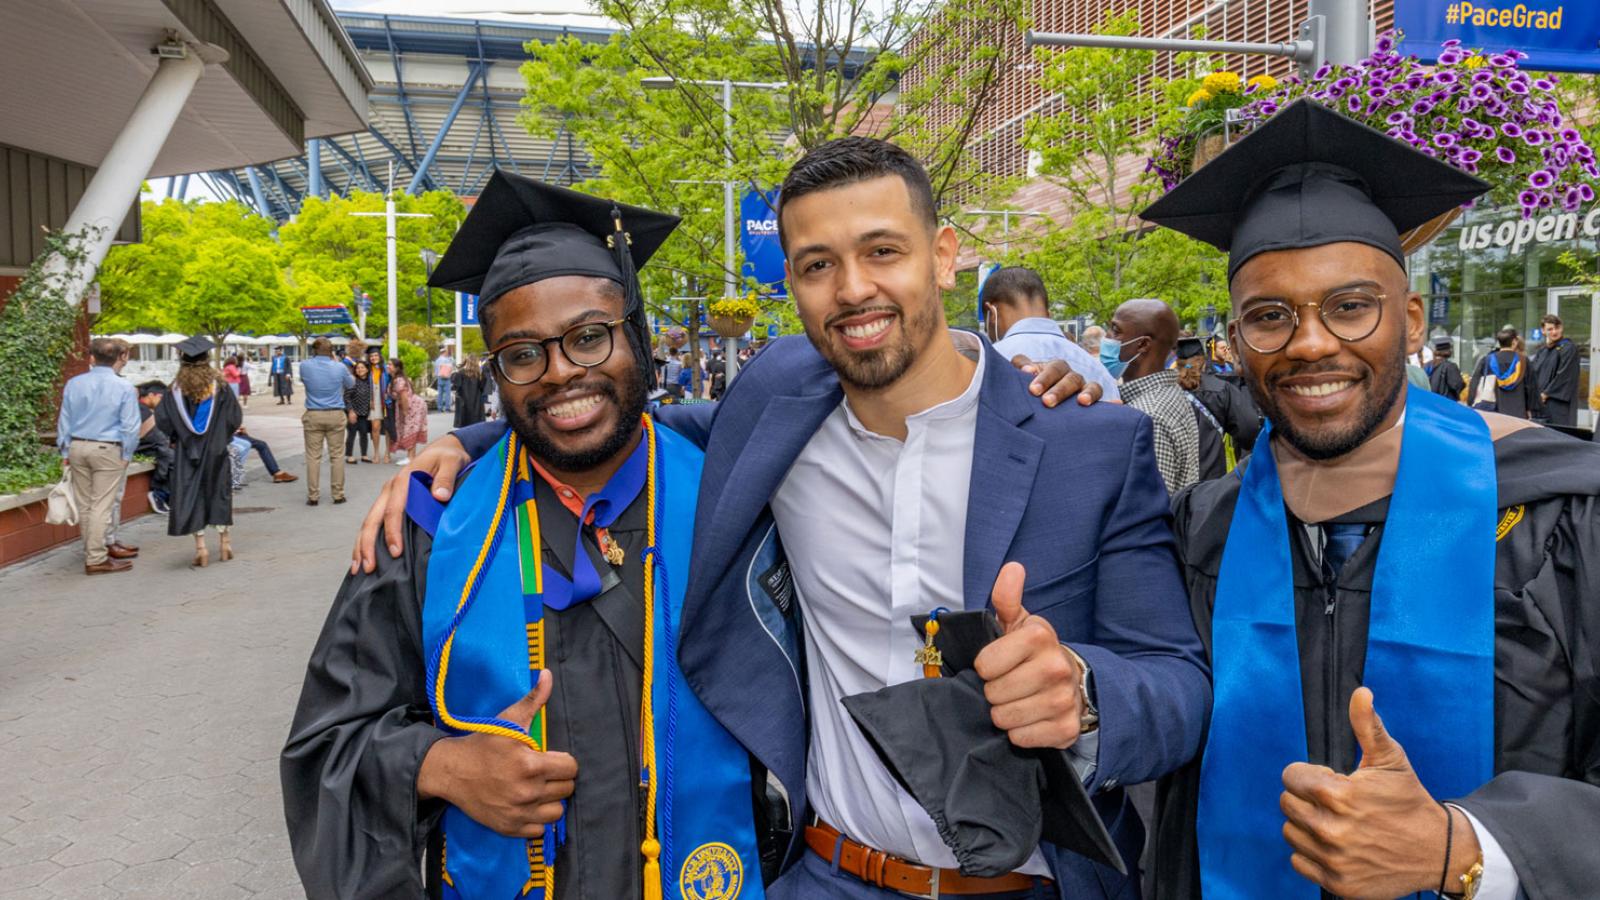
<point>933,887</point>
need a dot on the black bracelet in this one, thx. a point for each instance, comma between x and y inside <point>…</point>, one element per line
<point>1449,834</point>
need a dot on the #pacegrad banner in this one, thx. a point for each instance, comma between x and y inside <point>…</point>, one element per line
<point>1557,35</point>
<point>758,238</point>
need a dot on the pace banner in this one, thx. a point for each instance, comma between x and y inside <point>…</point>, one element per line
<point>469,309</point>
<point>1557,35</point>
<point>758,237</point>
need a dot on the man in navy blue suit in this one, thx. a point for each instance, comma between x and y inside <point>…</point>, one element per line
<point>904,475</point>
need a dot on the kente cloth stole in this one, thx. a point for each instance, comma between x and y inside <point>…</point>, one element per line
<point>1430,645</point>
<point>483,629</point>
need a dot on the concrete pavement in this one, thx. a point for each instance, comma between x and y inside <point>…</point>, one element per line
<point>141,714</point>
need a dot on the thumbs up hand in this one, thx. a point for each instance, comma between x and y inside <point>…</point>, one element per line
<point>498,781</point>
<point>1031,681</point>
<point>1375,832</point>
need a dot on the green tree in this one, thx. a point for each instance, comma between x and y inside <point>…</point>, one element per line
<point>670,150</point>
<point>1103,253</point>
<point>230,285</point>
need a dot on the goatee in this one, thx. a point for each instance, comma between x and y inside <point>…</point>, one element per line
<point>630,401</point>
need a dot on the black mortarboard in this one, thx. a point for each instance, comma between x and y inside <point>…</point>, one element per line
<point>1189,346</point>
<point>1442,344</point>
<point>195,349</point>
<point>521,231</point>
<point>1306,177</point>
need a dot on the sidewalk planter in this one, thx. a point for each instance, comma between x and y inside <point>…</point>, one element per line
<point>24,532</point>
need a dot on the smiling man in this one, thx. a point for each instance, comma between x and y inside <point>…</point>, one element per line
<point>1385,549</point>
<point>504,695</point>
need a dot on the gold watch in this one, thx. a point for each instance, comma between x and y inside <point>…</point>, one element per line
<point>1472,880</point>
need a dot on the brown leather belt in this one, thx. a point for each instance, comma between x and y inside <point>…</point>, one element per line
<point>879,869</point>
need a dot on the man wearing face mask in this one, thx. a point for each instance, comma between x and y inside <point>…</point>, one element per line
<point>1138,340</point>
<point>1017,319</point>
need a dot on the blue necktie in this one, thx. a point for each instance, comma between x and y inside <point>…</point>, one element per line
<point>1342,540</point>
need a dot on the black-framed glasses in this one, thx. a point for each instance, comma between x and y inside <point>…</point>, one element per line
<point>1350,315</point>
<point>525,361</point>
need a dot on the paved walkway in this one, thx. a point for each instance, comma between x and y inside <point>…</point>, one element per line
<point>141,714</point>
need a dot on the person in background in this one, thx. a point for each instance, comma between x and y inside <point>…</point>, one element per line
<point>244,378</point>
<point>96,432</point>
<point>251,442</point>
<point>156,444</point>
<point>357,408</point>
<point>1138,339</point>
<point>672,375</point>
<point>354,350</point>
<point>230,374</point>
<point>1557,371</point>
<point>282,377</point>
<point>1017,320</point>
<point>1226,416</point>
<point>114,530</point>
<point>1222,358</point>
<point>443,367</point>
<point>1501,381</point>
<point>324,419</point>
<point>1444,376</point>
<point>382,416</point>
<point>469,387</point>
<point>200,415</point>
<point>1090,340</point>
<point>410,413</point>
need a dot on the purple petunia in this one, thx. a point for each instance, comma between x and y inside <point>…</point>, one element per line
<point>1450,57</point>
<point>1586,192</point>
<point>1469,155</point>
<point>1511,129</point>
<point>1544,84</point>
<point>1445,77</point>
<point>1517,87</point>
<point>1571,135</point>
<point>1398,118</point>
<point>1541,178</point>
<point>1444,139</point>
<point>1528,199</point>
<point>1354,103</point>
<point>1505,155</point>
<point>1501,61</point>
<point>1533,137</point>
<point>1481,92</point>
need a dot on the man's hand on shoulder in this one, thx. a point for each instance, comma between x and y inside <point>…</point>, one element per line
<point>501,783</point>
<point>1054,382</point>
<point>443,460</point>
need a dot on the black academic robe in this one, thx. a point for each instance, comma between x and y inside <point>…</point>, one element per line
<point>1521,400</point>
<point>471,394</point>
<point>1445,379</point>
<point>1228,411</point>
<point>202,481</point>
<point>363,726</point>
<point>1558,369</point>
<point>1543,805</point>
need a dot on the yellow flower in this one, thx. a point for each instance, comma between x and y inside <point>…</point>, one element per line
<point>1222,83</point>
<point>1264,83</point>
<point>1199,97</point>
<point>1473,62</point>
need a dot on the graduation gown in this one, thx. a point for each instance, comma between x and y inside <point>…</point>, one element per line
<point>363,725</point>
<point>1544,800</point>
<point>470,397</point>
<point>201,479</point>
<point>1521,399</point>
<point>1444,379</point>
<point>1558,370</point>
<point>1231,413</point>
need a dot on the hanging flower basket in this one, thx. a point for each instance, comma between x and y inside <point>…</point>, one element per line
<point>731,326</point>
<point>1478,112</point>
<point>733,316</point>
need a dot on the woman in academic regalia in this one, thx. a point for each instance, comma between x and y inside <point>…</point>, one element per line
<point>201,414</point>
<point>468,384</point>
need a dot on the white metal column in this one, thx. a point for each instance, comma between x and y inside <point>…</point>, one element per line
<point>115,185</point>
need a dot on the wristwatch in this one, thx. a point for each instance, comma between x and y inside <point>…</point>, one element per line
<point>1472,880</point>
<point>1088,716</point>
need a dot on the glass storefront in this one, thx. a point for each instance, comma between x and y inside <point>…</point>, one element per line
<point>1492,268</point>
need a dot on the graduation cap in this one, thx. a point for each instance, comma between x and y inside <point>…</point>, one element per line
<point>1442,344</point>
<point>521,231</point>
<point>1189,346</point>
<point>195,349</point>
<point>1309,176</point>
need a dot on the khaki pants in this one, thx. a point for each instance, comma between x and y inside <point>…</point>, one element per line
<point>324,428</point>
<point>97,469</point>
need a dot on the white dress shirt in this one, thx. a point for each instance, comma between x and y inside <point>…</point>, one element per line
<point>874,530</point>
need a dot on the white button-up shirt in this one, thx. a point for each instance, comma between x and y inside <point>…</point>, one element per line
<point>874,529</point>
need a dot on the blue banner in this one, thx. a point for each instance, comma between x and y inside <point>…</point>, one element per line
<point>1557,35</point>
<point>469,309</point>
<point>758,237</point>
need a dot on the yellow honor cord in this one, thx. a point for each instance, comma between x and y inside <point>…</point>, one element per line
<point>650,848</point>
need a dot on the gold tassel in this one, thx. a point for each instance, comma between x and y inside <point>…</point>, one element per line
<point>652,869</point>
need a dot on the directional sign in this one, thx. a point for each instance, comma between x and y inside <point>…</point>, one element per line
<point>326,315</point>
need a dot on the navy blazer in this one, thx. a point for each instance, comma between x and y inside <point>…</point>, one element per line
<point>1071,493</point>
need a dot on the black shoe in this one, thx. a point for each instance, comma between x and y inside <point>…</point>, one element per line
<point>311,503</point>
<point>338,500</point>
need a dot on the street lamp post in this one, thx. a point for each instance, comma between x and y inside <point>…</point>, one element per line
<point>390,216</point>
<point>429,259</point>
<point>731,277</point>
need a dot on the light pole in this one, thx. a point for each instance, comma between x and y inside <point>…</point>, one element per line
<point>429,259</point>
<point>730,279</point>
<point>389,217</point>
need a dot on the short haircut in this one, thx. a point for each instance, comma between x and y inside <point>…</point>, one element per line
<point>1506,336</point>
<point>1552,319</point>
<point>848,160</point>
<point>322,346</point>
<point>1015,286</point>
<point>152,387</point>
<point>106,351</point>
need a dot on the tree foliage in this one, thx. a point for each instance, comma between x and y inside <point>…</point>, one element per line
<point>671,149</point>
<point>1104,254</point>
<point>230,284</point>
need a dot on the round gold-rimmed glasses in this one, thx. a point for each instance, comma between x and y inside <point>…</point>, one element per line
<point>1350,315</point>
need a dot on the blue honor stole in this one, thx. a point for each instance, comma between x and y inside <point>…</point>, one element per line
<point>482,623</point>
<point>1430,645</point>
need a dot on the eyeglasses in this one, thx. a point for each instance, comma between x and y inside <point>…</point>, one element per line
<point>1349,315</point>
<point>587,345</point>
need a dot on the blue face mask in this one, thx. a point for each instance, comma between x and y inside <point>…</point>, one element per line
<point>1111,356</point>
